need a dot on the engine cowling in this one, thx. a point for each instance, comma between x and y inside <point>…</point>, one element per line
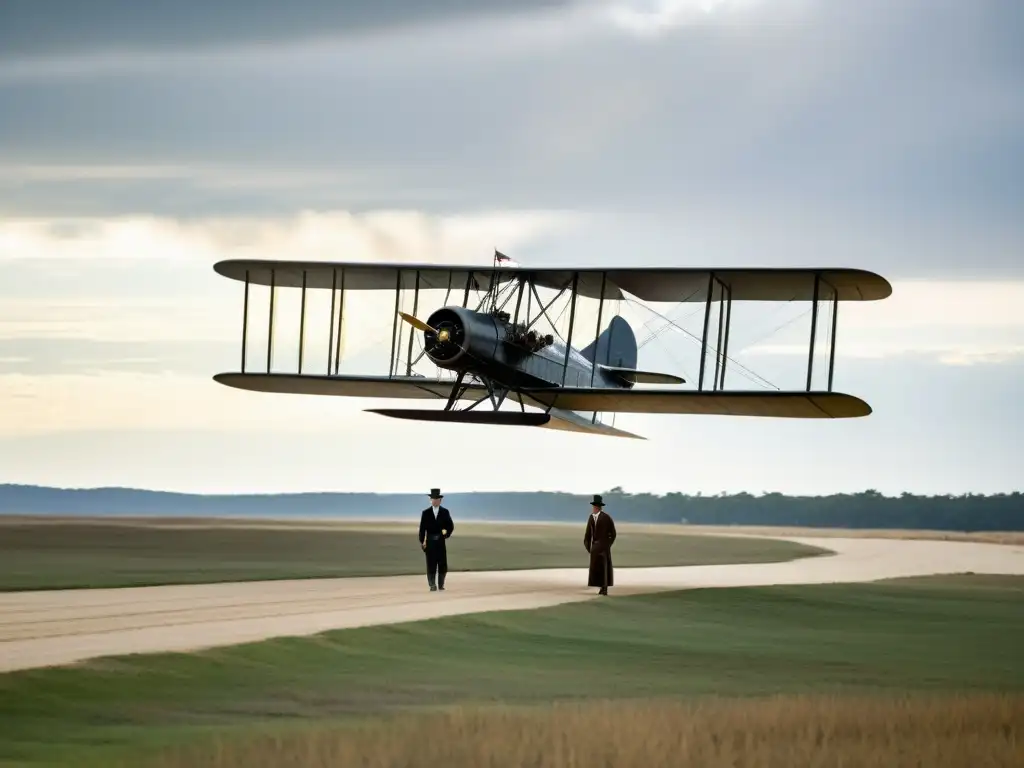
<point>462,335</point>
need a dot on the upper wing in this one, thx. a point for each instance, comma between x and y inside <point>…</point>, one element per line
<point>384,387</point>
<point>673,285</point>
<point>795,405</point>
<point>645,283</point>
<point>367,276</point>
<point>357,276</point>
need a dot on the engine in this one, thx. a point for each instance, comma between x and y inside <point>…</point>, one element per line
<point>463,337</point>
<point>529,340</point>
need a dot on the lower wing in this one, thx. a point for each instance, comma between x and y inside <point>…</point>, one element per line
<point>793,405</point>
<point>561,405</point>
<point>384,387</point>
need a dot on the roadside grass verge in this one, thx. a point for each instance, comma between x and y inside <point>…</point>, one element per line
<point>951,635</point>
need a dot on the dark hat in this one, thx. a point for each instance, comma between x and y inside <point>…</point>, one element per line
<point>597,501</point>
<point>435,493</point>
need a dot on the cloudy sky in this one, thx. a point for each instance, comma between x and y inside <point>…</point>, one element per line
<point>141,142</point>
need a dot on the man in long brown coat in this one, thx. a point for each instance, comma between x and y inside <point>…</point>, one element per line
<point>598,540</point>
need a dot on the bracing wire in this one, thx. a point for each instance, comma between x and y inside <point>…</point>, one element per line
<point>652,336</point>
<point>695,338</point>
<point>778,328</point>
<point>668,324</point>
<point>655,334</point>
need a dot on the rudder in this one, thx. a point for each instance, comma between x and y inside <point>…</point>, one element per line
<point>616,346</point>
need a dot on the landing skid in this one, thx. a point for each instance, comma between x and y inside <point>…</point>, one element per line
<point>466,416</point>
<point>496,394</point>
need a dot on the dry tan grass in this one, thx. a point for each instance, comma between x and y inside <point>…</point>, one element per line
<point>936,731</point>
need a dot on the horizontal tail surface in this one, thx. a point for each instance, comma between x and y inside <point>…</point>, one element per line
<point>633,376</point>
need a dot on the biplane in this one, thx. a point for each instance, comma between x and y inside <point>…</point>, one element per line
<point>492,353</point>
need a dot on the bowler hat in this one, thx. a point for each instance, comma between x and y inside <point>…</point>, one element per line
<point>435,493</point>
<point>597,501</point>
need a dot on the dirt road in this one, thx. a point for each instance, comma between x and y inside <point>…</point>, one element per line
<point>61,627</point>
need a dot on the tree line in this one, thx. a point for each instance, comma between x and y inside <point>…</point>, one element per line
<point>867,509</point>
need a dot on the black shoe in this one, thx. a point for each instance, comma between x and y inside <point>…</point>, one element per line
<point>441,587</point>
<point>433,588</point>
<point>602,592</point>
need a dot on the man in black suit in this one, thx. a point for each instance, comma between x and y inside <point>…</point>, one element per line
<point>436,526</point>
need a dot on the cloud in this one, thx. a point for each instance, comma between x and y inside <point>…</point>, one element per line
<point>462,28</point>
<point>951,323</point>
<point>147,281</point>
<point>962,435</point>
<point>656,17</point>
<point>122,320</point>
<point>201,175</point>
<point>37,27</point>
<point>69,350</point>
<point>314,235</point>
<point>137,148</point>
<point>942,306</point>
<point>948,353</point>
<point>133,401</point>
<point>986,355</point>
<point>138,292</point>
<point>715,143</point>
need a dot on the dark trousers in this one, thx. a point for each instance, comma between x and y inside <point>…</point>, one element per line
<point>437,560</point>
<point>602,561</point>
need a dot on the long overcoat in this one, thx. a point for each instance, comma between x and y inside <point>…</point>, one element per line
<point>598,540</point>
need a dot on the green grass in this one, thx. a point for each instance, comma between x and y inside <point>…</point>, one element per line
<point>950,634</point>
<point>47,555</point>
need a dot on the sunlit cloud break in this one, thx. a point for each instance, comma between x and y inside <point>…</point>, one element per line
<point>659,16</point>
<point>382,235</point>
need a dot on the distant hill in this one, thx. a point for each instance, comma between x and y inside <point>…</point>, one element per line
<point>868,509</point>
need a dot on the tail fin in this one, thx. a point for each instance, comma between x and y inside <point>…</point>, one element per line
<point>615,347</point>
<point>615,351</point>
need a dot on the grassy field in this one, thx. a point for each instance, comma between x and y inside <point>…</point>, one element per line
<point>776,732</point>
<point>40,554</point>
<point>322,696</point>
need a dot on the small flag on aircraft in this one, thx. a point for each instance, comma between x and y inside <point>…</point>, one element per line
<point>501,258</point>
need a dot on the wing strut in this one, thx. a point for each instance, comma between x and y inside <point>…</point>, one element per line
<point>245,319</point>
<point>457,391</point>
<point>572,322</point>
